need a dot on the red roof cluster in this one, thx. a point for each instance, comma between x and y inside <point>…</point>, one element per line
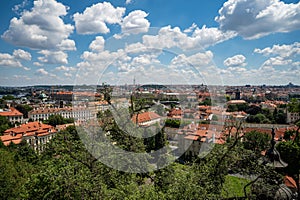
<point>16,134</point>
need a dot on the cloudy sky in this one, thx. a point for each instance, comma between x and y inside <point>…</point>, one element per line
<point>234,42</point>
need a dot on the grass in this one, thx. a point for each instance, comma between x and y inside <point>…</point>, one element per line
<point>234,187</point>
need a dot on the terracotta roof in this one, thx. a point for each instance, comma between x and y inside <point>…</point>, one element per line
<point>11,112</point>
<point>290,182</point>
<point>16,134</point>
<point>175,112</point>
<point>191,137</point>
<point>145,117</point>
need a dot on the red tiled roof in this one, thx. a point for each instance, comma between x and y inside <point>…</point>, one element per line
<point>145,117</point>
<point>191,137</point>
<point>16,134</point>
<point>175,112</point>
<point>290,182</point>
<point>11,112</point>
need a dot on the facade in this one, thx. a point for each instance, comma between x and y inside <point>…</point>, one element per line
<point>78,113</point>
<point>292,117</point>
<point>13,115</point>
<point>36,134</point>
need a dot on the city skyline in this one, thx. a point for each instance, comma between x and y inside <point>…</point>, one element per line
<point>48,42</point>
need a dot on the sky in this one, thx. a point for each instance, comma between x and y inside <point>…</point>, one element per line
<point>234,42</point>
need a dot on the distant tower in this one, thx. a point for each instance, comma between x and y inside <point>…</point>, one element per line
<point>237,94</point>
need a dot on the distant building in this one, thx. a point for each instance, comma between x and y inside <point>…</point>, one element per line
<point>78,113</point>
<point>36,134</point>
<point>236,102</point>
<point>146,118</point>
<point>12,114</point>
<point>292,117</point>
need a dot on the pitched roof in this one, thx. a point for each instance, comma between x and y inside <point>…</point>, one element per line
<point>11,112</point>
<point>145,117</point>
<point>16,134</point>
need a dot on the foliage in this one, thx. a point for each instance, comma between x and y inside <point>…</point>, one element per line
<point>290,153</point>
<point>237,107</point>
<point>54,120</point>
<point>24,109</point>
<point>8,97</point>
<point>256,141</point>
<point>173,123</point>
<point>206,102</point>
<point>294,105</point>
<point>4,124</point>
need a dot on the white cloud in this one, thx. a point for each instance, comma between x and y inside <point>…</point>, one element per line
<point>21,54</point>
<point>128,2</point>
<point>285,51</point>
<point>8,60</point>
<point>93,20</point>
<point>67,45</point>
<point>191,28</point>
<point>53,57</point>
<point>97,44</point>
<point>211,36</point>
<point>202,59</point>
<point>37,64</point>
<point>277,61</point>
<point>253,19</point>
<point>135,22</point>
<point>168,37</point>
<point>66,69</point>
<point>41,71</point>
<point>40,28</point>
<point>68,74</point>
<point>235,61</point>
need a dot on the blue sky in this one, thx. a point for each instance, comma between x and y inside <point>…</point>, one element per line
<point>234,42</point>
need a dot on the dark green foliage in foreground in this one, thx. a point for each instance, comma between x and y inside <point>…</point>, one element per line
<point>66,170</point>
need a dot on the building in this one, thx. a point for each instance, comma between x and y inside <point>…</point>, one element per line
<point>292,117</point>
<point>36,134</point>
<point>12,114</point>
<point>146,118</point>
<point>78,113</point>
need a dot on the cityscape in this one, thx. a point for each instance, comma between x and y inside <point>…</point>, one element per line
<point>129,99</point>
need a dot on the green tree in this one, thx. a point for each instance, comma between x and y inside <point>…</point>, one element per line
<point>290,153</point>
<point>256,141</point>
<point>4,124</point>
<point>24,109</point>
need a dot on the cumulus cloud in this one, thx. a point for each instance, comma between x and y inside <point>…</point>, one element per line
<point>21,54</point>
<point>8,60</point>
<point>169,37</point>
<point>97,44</point>
<point>196,60</point>
<point>67,45</point>
<point>211,36</point>
<point>66,69</point>
<point>40,28</point>
<point>53,57</point>
<point>235,61</point>
<point>15,59</point>
<point>135,22</point>
<point>41,71</point>
<point>253,19</point>
<point>284,50</point>
<point>94,19</point>
<point>279,61</point>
